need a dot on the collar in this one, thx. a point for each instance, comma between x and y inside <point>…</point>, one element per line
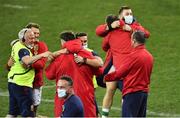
<point>141,46</point>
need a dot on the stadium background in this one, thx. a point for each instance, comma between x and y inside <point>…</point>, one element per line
<point>161,17</point>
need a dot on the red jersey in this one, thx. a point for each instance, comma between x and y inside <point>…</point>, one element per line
<point>118,41</point>
<point>136,70</point>
<point>39,48</point>
<point>81,74</point>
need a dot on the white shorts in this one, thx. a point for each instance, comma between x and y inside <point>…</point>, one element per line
<point>37,92</point>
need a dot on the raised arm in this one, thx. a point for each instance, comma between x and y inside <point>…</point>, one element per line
<point>102,30</point>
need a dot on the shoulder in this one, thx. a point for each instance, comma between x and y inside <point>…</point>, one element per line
<point>41,43</point>
<point>74,99</point>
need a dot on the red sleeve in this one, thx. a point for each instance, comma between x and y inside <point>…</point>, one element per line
<point>98,71</point>
<point>101,30</point>
<point>39,64</point>
<point>50,71</point>
<point>137,26</point>
<point>120,73</point>
<point>105,44</point>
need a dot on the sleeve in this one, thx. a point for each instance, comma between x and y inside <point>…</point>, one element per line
<point>39,64</point>
<point>50,71</point>
<point>101,30</point>
<point>105,43</point>
<point>121,72</point>
<point>137,26</point>
<point>23,52</point>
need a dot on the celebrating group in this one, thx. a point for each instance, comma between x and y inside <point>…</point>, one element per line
<point>78,70</point>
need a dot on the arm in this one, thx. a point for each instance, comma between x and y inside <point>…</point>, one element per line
<point>96,62</point>
<point>102,30</point>
<point>9,63</point>
<point>105,44</point>
<point>120,73</point>
<point>27,60</point>
<point>59,52</point>
<point>39,64</point>
<point>137,26</point>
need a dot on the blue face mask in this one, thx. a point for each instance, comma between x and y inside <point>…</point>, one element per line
<point>128,19</point>
<point>61,93</point>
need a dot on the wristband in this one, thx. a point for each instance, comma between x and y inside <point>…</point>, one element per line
<point>84,60</point>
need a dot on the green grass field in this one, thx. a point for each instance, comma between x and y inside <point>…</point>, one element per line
<point>161,17</point>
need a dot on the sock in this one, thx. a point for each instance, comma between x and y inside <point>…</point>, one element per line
<point>105,112</point>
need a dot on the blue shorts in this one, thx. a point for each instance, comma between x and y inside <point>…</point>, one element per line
<point>20,100</point>
<point>134,104</point>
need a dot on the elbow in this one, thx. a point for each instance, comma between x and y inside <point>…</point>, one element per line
<point>147,35</point>
<point>101,31</point>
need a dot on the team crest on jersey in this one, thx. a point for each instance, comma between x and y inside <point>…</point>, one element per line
<point>36,49</point>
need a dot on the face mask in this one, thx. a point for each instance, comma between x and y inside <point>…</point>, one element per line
<point>128,19</point>
<point>85,46</point>
<point>61,93</point>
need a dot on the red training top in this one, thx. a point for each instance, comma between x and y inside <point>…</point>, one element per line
<point>136,71</point>
<point>81,74</point>
<point>118,41</point>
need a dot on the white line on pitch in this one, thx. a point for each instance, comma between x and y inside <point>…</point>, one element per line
<point>5,94</point>
<point>15,6</point>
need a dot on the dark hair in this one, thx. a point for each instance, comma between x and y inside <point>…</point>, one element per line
<point>68,79</point>
<point>139,36</point>
<point>79,34</point>
<point>67,35</point>
<point>35,25</point>
<point>110,19</point>
<point>123,8</point>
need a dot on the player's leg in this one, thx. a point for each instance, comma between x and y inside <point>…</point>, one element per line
<point>108,98</point>
<point>132,104</point>
<point>14,110</point>
<point>37,93</point>
<point>142,110</point>
<point>25,101</point>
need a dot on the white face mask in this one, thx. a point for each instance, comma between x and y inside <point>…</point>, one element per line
<point>61,93</point>
<point>128,19</point>
<point>85,46</point>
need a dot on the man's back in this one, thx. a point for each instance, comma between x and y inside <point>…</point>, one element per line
<point>140,63</point>
<point>82,77</point>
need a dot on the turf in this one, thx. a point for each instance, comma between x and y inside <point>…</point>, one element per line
<point>161,17</point>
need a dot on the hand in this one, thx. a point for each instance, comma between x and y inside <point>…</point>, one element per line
<point>127,28</point>
<point>78,59</point>
<point>11,62</point>
<point>115,24</point>
<point>50,57</point>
